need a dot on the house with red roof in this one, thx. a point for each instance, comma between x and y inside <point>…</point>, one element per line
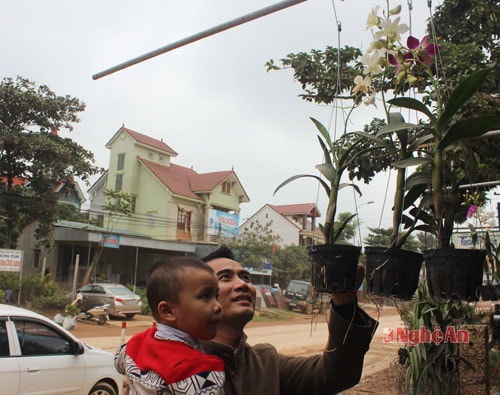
<point>171,202</point>
<point>295,224</point>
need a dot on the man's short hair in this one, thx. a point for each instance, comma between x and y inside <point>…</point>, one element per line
<point>222,252</point>
<point>165,280</point>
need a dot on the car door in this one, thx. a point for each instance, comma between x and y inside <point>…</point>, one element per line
<point>48,363</point>
<point>9,368</point>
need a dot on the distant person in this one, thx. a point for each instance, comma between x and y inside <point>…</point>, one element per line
<point>183,295</point>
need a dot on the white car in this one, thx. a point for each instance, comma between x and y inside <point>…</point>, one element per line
<point>38,356</point>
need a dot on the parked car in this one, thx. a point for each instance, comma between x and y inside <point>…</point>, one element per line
<point>121,300</point>
<point>39,356</point>
<point>299,295</point>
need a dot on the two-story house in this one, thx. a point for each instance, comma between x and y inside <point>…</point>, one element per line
<point>171,202</point>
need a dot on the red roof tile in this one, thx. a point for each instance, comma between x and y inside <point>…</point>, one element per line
<point>297,209</point>
<point>146,140</point>
<point>186,182</point>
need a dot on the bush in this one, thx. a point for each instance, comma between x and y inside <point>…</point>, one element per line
<point>9,280</point>
<point>146,310</point>
<point>58,301</point>
<point>42,292</point>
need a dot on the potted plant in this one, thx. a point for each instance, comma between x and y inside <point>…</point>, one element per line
<point>445,130</point>
<point>391,270</point>
<point>334,265</point>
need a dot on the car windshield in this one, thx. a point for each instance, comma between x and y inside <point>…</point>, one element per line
<point>121,291</point>
<point>298,288</point>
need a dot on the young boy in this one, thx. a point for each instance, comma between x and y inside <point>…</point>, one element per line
<point>184,300</point>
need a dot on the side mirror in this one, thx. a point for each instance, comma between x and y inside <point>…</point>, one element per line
<point>79,348</point>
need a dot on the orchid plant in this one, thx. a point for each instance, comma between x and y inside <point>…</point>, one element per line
<point>411,66</point>
<point>480,218</point>
<point>389,64</point>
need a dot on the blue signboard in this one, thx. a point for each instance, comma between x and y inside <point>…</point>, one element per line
<point>110,241</point>
<point>223,224</point>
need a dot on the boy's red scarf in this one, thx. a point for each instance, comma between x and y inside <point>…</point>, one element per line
<point>172,360</point>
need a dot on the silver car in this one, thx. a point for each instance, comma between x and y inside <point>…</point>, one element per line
<point>121,300</point>
<point>38,356</point>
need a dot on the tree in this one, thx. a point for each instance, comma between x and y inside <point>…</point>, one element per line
<point>118,204</point>
<point>254,247</point>
<point>350,229</point>
<point>290,263</point>
<point>382,237</point>
<point>33,157</point>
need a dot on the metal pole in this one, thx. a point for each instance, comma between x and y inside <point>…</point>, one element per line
<point>75,276</point>
<point>135,270</point>
<point>198,36</point>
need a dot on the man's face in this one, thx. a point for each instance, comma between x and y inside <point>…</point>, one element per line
<point>236,292</point>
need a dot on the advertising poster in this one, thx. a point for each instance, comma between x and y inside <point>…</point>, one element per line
<point>223,224</point>
<point>10,260</point>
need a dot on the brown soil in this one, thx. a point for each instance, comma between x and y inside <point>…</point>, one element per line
<point>376,383</point>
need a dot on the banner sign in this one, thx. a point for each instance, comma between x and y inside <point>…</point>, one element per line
<point>11,260</point>
<point>223,224</point>
<point>464,239</point>
<point>110,241</point>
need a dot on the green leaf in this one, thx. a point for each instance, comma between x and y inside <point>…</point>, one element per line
<point>469,128</point>
<point>289,180</point>
<point>413,161</point>
<point>340,228</point>
<point>412,104</point>
<point>396,127</point>
<point>418,178</point>
<point>328,171</point>
<point>461,94</point>
<point>324,132</point>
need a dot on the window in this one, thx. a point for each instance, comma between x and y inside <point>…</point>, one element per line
<point>151,155</point>
<point>161,158</point>
<point>36,338</point>
<point>121,162</point>
<point>226,187</point>
<point>184,220</point>
<point>4,341</point>
<point>119,182</point>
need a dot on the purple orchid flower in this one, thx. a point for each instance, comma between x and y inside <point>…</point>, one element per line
<point>471,211</point>
<point>422,49</point>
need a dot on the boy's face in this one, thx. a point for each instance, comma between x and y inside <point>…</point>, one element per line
<point>198,311</point>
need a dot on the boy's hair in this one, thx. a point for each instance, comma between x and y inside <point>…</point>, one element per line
<point>222,252</point>
<point>165,280</point>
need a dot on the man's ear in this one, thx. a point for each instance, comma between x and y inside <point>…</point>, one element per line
<point>166,311</point>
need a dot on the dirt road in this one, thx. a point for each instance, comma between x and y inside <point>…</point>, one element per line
<point>298,335</point>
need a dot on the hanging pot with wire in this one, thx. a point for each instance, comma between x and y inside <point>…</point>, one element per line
<point>392,272</point>
<point>454,273</point>
<point>334,267</point>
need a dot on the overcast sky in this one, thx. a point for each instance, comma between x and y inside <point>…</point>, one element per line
<point>212,101</point>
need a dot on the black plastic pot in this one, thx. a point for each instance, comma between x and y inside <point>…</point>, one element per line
<point>334,267</point>
<point>490,292</point>
<point>454,273</point>
<point>392,272</point>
